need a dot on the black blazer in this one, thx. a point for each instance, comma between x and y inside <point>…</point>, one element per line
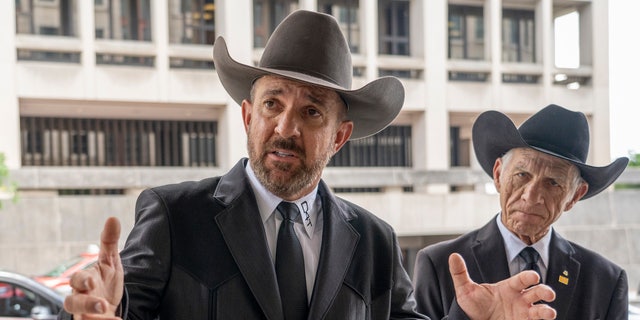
<point>591,286</point>
<point>198,251</point>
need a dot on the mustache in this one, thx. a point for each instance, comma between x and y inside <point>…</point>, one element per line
<point>286,144</point>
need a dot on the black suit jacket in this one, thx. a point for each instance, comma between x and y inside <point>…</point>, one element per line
<point>198,251</point>
<point>591,286</point>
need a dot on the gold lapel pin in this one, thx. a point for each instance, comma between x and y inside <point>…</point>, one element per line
<point>564,278</point>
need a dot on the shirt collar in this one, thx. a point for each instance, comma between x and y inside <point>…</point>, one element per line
<point>513,245</point>
<point>267,202</point>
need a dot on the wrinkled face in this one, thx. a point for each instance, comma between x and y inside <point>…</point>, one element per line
<point>293,131</point>
<point>535,189</point>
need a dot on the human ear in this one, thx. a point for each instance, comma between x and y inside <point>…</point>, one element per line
<point>345,128</point>
<point>246,114</point>
<point>497,170</point>
<point>577,195</point>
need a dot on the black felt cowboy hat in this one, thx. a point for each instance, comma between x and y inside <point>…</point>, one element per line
<point>309,47</point>
<point>553,130</point>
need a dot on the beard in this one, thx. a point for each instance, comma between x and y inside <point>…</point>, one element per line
<point>298,178</point>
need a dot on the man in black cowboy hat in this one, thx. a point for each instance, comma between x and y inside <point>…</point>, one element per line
<point>540,172</point>
<point>269,240</point>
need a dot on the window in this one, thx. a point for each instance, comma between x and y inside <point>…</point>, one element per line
<point>57,18</point>
<point>393,33</point>
<point>49,56</point>
<point>520,78</point>
<point>347,13</point>
<point>460,148</point>
<point>112,142</point>
<point>267,14</point>
<point>123,20</point>
<point>518,36</point>
<point>466,33</point>
<point>124,60</point>
<point>18,301</point>
<point>192,21</point>
<point>181,63</point>
<point>390,147</point>
<point>468,76</point>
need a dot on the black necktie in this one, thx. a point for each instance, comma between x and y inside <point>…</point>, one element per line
<point>290,265</point>
<point>531,257</point>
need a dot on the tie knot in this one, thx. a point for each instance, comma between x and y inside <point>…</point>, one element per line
<point>288,210</point>
<point>529,255</point>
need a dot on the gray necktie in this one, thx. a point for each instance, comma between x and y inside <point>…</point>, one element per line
<point>531,257</point>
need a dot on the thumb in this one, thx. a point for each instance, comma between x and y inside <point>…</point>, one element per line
<point>459,273</point>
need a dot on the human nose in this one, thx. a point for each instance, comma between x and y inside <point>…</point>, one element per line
<point>288,125</point>
<point>533,192</point>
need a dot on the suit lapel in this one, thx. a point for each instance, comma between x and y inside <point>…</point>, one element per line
<point>339,242</point>
<point>563,274</point>
<point>244,235</point>
<point>489,255</point>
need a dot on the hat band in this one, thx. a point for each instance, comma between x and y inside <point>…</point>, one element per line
<point>554,149</point>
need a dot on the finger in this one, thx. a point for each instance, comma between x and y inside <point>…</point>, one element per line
<point>542,311</point>
<point>82,281</point>
<point>82,303</point>
<point>523,280</point>
<point>109,242</point>
<point>538,293</point>
<point>458,270</point>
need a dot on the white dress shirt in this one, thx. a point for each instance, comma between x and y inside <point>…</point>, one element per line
<point>308,228</point>
<point>513,245</point>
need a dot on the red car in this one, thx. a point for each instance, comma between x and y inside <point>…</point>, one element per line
<point>58,278</point>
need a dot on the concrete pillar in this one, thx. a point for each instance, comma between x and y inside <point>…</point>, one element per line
<point>160,37</point>
<point>437,116</point>
<point>86,12</point>
<point>600,131</point>
<point>9,107</point>
<point>238,34</point>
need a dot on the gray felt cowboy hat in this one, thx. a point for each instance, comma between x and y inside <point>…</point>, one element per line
<point>553,130</point>
<point>309,47</point>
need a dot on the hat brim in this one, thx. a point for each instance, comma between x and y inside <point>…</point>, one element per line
<point>494,134</point>
<point>371,107</point>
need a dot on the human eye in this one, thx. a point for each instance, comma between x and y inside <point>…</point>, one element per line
<point>313,112</point>
<point>520,174</point>
<point>268,104</point>
<point>556,183</point>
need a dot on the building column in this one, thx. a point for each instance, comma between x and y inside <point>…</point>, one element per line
<point>9,107</point>
<point>238,34</point>
<point>494,37</point>
<point>370,37</point>
<point>601,132</point>
<point>311,5</point>
<point>546,45</point>
<point>160,37</point>
<point>435,75</point>
<point>86,13</point>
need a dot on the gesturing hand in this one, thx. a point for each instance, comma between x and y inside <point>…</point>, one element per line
<point>512,298</point>
<point>97,291</point>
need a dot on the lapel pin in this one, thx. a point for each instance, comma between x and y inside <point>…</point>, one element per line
<point>564,278</point>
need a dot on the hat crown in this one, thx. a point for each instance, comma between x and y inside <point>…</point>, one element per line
<point>559,131</point>
<point>310,43</point>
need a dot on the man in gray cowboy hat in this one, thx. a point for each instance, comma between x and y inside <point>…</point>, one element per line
<point>540,172</point>
<point>269,240</point>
